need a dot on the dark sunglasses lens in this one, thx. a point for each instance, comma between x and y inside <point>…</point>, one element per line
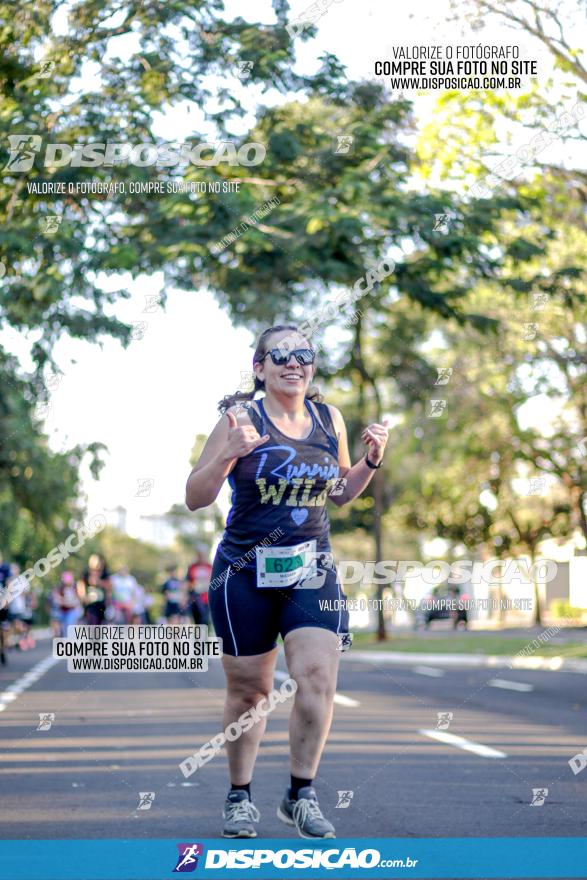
<point>304,356</point>
<point>279,357</point>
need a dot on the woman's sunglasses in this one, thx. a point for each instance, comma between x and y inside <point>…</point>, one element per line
<point>304,356</point>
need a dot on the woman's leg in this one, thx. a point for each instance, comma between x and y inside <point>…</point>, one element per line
<point>248,680</point>
<point>312,658</point>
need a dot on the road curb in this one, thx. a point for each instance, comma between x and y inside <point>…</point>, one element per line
<point>552,664</point>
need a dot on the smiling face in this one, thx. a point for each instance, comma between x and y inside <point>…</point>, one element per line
<point>292,378</point>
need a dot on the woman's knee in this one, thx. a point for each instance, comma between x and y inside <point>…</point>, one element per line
<point>314,679</point>
<point>244,695</point>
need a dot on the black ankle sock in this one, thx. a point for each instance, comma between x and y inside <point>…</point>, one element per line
<point>246,788</point>
<point>296,784</point>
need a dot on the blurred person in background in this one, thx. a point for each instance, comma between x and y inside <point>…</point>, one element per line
<point>96,590</point>
<point>140,601</point>
<point>66,597</point>
<point>20,611</point>
<point>175,598</point>
<point>197,582</point>
<point>31,603</point>
<point>124,594</point>
<point>4,625</point>
<point>54,613</point>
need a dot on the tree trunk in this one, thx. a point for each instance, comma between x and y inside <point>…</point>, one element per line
<point>500,598</point>
<point>537,605</point>
<point>378,507</point>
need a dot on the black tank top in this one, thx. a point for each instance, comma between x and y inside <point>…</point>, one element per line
<point>282,484</point>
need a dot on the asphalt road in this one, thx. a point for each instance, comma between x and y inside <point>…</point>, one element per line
<point>115,735</point>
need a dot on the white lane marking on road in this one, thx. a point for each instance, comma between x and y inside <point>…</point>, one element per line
<point>461,743</point>
<point>17,687</point>
<point>510,685</point>
<point>339,699</point>
<point>431,671</point>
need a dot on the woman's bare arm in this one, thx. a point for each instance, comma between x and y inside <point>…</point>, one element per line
<point>357,476</point>
<point>232,438</point>
<point>211,470</point>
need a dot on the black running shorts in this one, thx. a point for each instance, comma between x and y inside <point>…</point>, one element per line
<point>249,619</point>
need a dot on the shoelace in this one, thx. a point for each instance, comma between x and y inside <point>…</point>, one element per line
<point>304,808</point>
<point>242,810</point>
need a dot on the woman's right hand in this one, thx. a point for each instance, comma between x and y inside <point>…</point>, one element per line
<point>242,439</point>
<point>228,442</point>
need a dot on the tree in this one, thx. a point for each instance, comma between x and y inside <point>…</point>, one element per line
<point>38,488</point>
<point>470,142</point>
<point>330,214</point>
<point>54,250</point>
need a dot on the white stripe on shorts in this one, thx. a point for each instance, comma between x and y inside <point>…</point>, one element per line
<point>227,611</point>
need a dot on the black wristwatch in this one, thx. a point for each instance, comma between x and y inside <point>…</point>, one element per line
<point>370,464</point>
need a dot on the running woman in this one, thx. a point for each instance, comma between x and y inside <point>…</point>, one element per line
<point>197,581</point>
<point>67,598</point>
<point>96,590</point>
<point>282,454</point>
<point>173,591</point>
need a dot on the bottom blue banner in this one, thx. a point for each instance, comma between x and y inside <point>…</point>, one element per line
<point>512,857</point>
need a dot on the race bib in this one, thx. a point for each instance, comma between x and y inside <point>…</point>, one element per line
<point>285,566</point>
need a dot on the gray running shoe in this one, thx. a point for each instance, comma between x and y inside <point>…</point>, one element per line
<point>305,814</point>
<point>239,814</point>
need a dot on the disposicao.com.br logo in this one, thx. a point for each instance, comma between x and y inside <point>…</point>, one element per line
<point>329,859</point>
<point>25,148</point>
<point>187,859</point>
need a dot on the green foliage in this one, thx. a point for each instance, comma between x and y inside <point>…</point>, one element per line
<point>562,608</point>
<point>456,297</point>
<point>50,287</point>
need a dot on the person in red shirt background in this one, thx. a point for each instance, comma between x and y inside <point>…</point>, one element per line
<point>197,581</point>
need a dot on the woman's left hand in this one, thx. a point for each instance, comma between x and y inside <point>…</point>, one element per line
<point>375,438</point>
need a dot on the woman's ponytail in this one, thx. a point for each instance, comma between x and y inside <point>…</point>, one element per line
<point>231,399</point>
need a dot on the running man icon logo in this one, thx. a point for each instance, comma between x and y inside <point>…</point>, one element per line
<point>145,484</point>
<point>146,799</point>
<point>50,224</point>
<point>345,641</point>
<point>244,69</point>
<point>46,70</point>
<point>437,409</point>
<point>536,485</point>
<point>152,303</point>
<point>314,571</point>
<point>23,148</point>
<point>539,795</point>
<point>247,380</point>
<point>539,300</point>
<point>444,374</point>
<point>42,410</point>
<point>444,719</point>
<point>344,800</point>
<point>188,857</point>
<point>442,222</point>
<point>46,719</point>
<point>139,328</point>
<point>338,487</point>
<point>344,144</point>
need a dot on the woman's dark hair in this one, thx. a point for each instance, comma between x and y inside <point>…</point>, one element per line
<point>231,399</point>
